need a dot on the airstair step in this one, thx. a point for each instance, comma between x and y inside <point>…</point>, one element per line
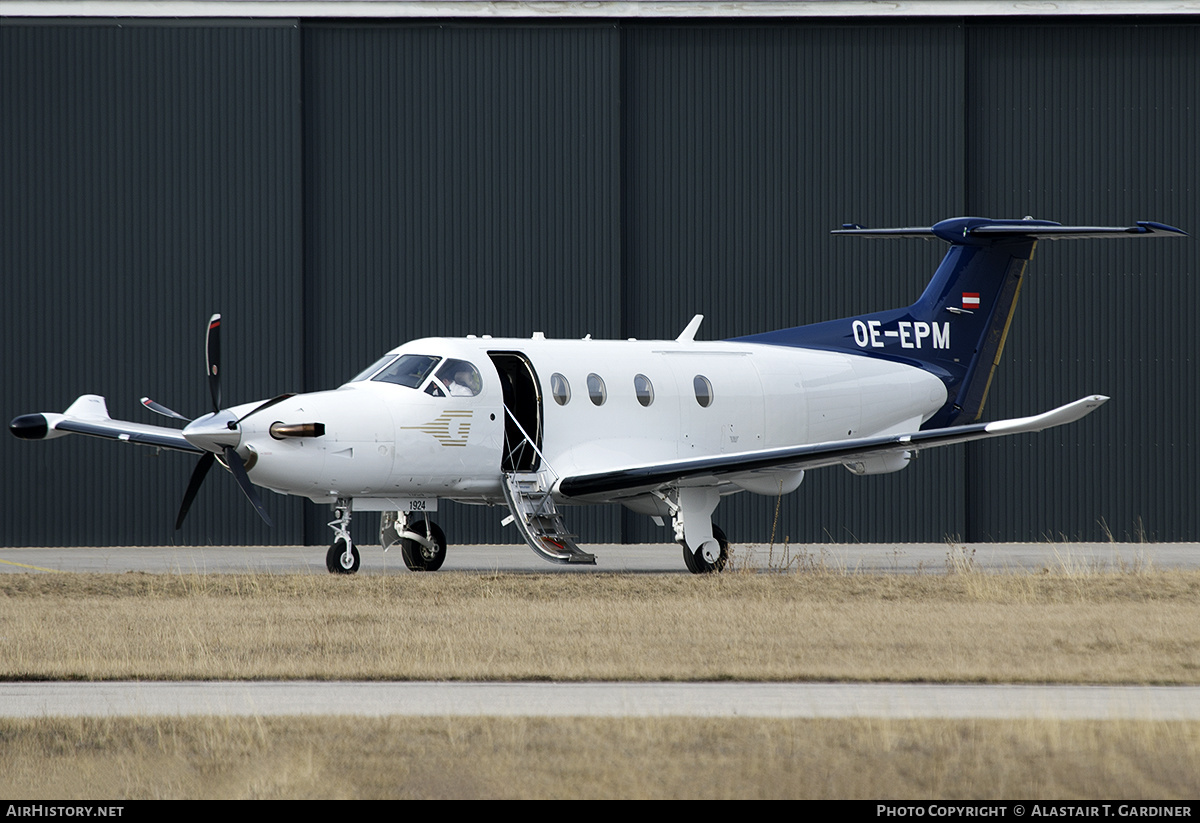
<point>538,519</point>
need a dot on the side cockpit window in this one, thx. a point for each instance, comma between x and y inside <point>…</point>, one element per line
<point>456,378</point>
<point>409,370</point>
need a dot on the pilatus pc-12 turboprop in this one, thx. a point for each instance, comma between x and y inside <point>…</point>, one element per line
<point>665,427</point>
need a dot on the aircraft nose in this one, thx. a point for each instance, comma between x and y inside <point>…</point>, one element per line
<point>213,433</point>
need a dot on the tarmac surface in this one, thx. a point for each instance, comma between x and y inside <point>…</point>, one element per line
<point>897,558</point>
<point>775,700</point>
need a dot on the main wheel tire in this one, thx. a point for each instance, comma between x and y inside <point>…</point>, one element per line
<point>335,558</point>
<point>695,561</point>
<point>420,558</point>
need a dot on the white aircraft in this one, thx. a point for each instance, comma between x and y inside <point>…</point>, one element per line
<point>664,427</point>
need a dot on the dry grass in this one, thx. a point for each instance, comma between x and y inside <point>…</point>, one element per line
<point>966,627</point>
<point>594,758</point>
<point>1072,625</point>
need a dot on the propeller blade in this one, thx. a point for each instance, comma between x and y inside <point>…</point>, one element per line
<point>198,475</point>
<point>238,469</point>
<point>212,354</point>
<point>266,405</point>
<point>163,410</point>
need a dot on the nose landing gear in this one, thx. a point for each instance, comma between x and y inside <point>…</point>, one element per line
<point>342,557</point>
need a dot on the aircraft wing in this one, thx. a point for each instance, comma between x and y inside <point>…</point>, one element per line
<point>89,415</point>
<point>641,479</point>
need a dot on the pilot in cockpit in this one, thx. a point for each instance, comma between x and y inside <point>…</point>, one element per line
<point>460,378</point>
<point>460,384</point>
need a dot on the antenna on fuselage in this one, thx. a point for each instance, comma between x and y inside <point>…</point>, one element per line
<point>689,333</point>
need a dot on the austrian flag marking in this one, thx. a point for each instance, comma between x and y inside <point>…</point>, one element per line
<point>970,300</point>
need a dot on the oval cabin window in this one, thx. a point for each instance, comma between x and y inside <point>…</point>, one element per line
<point>704,391</point>
<point>644,389</point>
<point>596,390</point>
<point>560,389</point>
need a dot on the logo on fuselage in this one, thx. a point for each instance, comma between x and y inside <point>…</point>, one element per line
<point>450,428</point>
<point>910,334</point>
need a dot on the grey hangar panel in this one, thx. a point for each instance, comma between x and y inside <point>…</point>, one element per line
<point>336,188</point>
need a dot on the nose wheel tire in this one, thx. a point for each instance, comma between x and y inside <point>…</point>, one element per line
<point>420,558</point>
<point>695,561</point>
<point>339,561</point>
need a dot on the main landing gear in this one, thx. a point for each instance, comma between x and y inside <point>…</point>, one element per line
<point>705,547</point>
<point>422,543</point>
<point>695,560</point>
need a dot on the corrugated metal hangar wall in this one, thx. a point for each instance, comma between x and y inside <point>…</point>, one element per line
<point>334,189</point>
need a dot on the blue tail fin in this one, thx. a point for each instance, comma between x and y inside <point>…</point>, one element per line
<point>957,327</point>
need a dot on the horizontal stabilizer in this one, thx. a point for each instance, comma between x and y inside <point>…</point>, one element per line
<point>641,479</point>
<point>978,230</point>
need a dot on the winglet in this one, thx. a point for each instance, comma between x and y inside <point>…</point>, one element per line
<point>1055,417</point>
<point>689,333</point>
<point>88,407</point>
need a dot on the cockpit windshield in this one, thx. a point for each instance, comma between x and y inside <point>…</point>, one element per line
<point>371,369</point>
<point>454,378</point>
<point>409,370</point>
